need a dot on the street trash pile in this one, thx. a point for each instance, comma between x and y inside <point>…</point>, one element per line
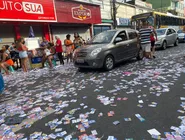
<point>65,104</point>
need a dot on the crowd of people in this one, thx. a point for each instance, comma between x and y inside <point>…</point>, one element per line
<point>18,52</point>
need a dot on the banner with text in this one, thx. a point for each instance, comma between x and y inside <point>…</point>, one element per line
<point>28,10</point>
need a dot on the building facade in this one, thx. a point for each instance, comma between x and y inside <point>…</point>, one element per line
<point>106,17</point>
<point>143,7</point>
<point>126,10</point>
<point>175,7</point>
<point>54,17</point>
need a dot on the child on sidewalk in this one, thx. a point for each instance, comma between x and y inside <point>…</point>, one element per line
<point>152,39</point>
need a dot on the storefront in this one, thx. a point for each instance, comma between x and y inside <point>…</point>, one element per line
<point>17,16</point>
<point>75,17</point>
<point>54,17</point>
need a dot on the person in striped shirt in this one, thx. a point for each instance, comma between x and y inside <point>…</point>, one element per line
<point>145,33</point>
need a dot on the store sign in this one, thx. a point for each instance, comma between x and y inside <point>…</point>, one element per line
<point>74,12</point>
<point>27,10</point>
<point>123,21</point>
<point>81,13</point>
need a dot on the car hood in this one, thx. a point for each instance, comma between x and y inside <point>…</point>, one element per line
<point>91,47</point>
<point>160,37</point>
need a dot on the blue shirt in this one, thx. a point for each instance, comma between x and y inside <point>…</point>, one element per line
<point>44,43</point>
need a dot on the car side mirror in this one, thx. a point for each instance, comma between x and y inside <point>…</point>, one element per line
<point>117,39</point>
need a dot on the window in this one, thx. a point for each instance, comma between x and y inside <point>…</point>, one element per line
<point>173,5</point>
<point>121,37</point>
<point>99,29</point>
<point>103,37</point>
<point>170,31</point>
<point>173,31</point>
<point>132,35</point>
<point>177,5</point>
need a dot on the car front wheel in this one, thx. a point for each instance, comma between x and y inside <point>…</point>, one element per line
<point>109,62</point>
<point>176,43</point>
<point>164,45</point>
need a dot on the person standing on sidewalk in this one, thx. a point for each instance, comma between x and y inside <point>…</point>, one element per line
<point>145,33</point>
<point>59,50</point>
<point>23,54</point>
<point>69,48</point>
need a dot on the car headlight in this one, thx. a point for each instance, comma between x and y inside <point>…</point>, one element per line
<point>159,40</point>
<point>96,51</point>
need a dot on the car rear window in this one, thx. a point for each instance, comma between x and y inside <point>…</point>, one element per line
<point>132,35</point>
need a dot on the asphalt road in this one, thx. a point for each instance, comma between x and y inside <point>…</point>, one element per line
<point>151,88</point>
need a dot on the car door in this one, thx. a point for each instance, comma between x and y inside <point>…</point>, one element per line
<point>169,37</point>
<point>174,34</point>
<point>121,46</point>
<point>133,44</point>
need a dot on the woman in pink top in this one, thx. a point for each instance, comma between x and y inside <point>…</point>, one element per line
<point>59,50</point>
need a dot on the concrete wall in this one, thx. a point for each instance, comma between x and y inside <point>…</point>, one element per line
<point>180,8</point>
<point>125,11</point>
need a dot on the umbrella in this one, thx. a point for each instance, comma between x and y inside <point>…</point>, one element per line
<point>31,33</point>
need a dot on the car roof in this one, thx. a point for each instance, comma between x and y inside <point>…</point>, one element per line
<point>166,28</point>
<point>128,30</point>
<point>163,28</point>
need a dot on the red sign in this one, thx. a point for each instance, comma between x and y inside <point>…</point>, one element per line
<point>81,13</point>
<point>28,10</point>
<point>74,12</point>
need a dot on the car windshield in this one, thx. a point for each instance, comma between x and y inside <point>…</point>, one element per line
<point>179,31</point>
<point>104,37</point>
<point>161,32</point>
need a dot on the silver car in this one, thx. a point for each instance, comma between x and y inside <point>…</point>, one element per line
<point>166,37</point>
<point>109,48</point>
<point>181,36</point>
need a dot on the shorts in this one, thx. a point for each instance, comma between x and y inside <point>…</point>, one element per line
<point>10,62</point>
<point>23,54</point>
<point>146,47</point>
<point>152,44</point>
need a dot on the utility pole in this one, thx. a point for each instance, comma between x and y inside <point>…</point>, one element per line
<point>114,14</point>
